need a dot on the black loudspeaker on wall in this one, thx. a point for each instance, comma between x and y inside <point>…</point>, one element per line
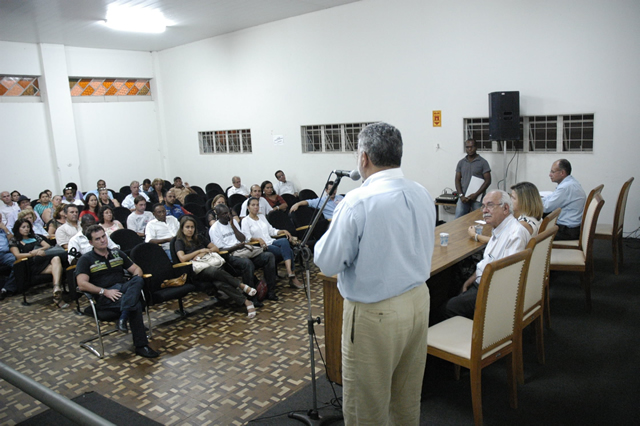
<point>504,116</point>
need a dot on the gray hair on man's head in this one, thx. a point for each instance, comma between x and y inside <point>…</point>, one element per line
<point>505,198</point>
<point>383,144</point>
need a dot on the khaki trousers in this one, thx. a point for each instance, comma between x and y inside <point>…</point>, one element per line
<point>384,352</point>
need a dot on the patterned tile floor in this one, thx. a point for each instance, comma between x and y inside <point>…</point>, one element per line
<point>215,367</point>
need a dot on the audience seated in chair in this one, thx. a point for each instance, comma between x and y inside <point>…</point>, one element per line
<point>79,244</point>
<point>211,216</point>
<point>191,247</point>
<point>225,235</point>
<point>69,193</point>
<point>25,244</point>
<point>237,187</point>
<point>181,190</point>
<point>8,287</point>
<point>59,219</point>
<point>108,220</point>
<point>101,273</point>
<point>69,228</point>
<point>101,184</point>
<point>45,207</point>
<point>138,220</point>
<point>283,186</point>
<point>8,208</point>
<point>259,230</point>
<point>275,201</point>
<point>90,206</point>
<point>161,229</point>
<point>256,192</point>
<point>30,215</point>
<point>173,206</point>
<point>318,202</point>
<point>104,200</point>
<point>129,202</point>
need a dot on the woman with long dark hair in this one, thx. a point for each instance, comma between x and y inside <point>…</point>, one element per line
<point>25,244</point>
<point>90,206</point>
<point>275,201</point>
<point>190,246</point>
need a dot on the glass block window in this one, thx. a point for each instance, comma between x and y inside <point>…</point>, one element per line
<point>225,141</point>
<point>19,86</point>
<point>577,132</point>
<point>331,137</point>
<point>109,87</point>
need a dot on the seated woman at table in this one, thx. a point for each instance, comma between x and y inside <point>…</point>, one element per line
<point>256,226</point>
<point>90,206</point>
<point>275,201</point>
<point>190,246</point>
<point>25,244</point>
<point>211,214</point>
<point>527,208</point>
<point>108,221</point>
<point>104,200</point>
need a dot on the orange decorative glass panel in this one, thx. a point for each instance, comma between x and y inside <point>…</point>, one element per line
<point>18,86</point>
<point>108,87</point>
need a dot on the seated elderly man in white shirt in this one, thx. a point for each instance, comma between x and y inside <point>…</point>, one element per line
<point>237,188</point>
<point>129,200</point>
<point>161,229</point>
<point>508,237</point>
<point>256,192</point>
<point>283,186</point>
<point>79,244</point>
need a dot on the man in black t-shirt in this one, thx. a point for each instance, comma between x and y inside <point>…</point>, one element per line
<point>101,272</point>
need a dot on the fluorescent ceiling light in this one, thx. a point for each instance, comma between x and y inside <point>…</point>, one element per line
<point>135,19</point>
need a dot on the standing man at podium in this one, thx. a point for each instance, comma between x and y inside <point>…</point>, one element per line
<point>380,244</point>
<point>472,165</point>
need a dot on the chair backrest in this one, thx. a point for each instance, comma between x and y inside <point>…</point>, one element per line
<point>236,199</point>
<point>195,208</point>
<point>167,185</point>
<point>126,190</point>
<point>290,199</point>
<point>127,239</point>
<point>621,207</point>
<point>213,192</point>
<point>280,220</point>
<point>198,190</point>
<point>213,185</point>
<point>589,227</point>
<point>307,194</point>
<point>304,216</point>
<point>121,214</point>
<point>237,208</point>
<point>592,193</point>
<point>540,246</point>
<point>550,220</point>
<point>194,198</point>
<point>499,302</point>
<point>153,260</point>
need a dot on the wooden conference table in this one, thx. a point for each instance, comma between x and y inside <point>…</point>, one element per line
<point>460,246</point>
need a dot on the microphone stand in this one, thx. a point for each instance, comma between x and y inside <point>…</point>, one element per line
<point>312,416</point>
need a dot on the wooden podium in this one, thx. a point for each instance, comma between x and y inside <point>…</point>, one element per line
<point>460,246</point>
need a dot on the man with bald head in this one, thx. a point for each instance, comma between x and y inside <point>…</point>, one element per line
<point>569,196</point>
<point>507,237</point>
<point>8,208</point>
<point>237,187</point>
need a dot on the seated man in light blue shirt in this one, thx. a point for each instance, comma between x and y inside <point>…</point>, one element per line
<point>101,184</point>
<point>316,203</point>
<point>569,196</point>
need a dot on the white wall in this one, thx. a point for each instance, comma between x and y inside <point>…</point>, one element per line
<point>397,61</point>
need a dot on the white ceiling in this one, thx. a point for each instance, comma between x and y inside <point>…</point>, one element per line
<point>78,22</point>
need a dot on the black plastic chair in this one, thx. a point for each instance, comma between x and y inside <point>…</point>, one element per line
<point>157,268</point>
<point>280,220</point>
<point>125,190</point>
<point>198,190</point>
<point>195,209</point>
<point>121,214</point>
<point>236,199</point>
<point>194,199</point>
<point>290,199</point>
<point>213,185</point>
<point>167,185</point>
<point>26,280</point>
<point>127,239</point>
<point>303,217</point>
<point>307,194</point>
<point>237,207</point>
<point>212,193</point>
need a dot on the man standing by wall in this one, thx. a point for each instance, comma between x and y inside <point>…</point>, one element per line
<point>471,165</point>
<point>386,306</point>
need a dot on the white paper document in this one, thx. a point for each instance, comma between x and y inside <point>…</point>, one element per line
<point>474,186</point>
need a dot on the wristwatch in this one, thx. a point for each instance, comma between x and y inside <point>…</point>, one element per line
<point>101,292</point>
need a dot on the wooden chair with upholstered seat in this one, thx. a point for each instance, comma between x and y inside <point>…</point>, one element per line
<point>490,336</point>
<point>580,259</point>
<point>549,220</point>
<point>613,232</point>
<point>534,301</point>
<point>576,243</point>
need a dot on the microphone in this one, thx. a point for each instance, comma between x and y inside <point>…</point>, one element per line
<point>353,174</point>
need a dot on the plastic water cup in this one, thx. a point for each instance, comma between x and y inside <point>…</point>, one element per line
<point>479,229</point>
<point>444,239</point>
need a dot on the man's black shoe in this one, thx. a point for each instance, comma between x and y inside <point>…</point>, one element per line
<point>147,352</point>
<point>272,296</point>
<point>258,304</point>
<point>122,325</point>
<point>4,294</point>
